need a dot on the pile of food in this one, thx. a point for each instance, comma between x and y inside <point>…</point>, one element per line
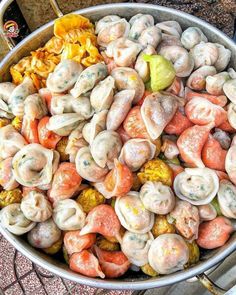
<point>117,146</point>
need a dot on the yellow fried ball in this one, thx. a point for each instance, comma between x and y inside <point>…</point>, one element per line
<point>156,170</point>
<point>4,122</point>
<point>148,270</point>
<point>54,248</point>
<point>61,146</point>
<point>17,123</point>
<point>10,197</point>
<point>104,244</point>
<point>162,226</point>
<point>194,253</point>
<point>136,183</point>
<point>90,198</point>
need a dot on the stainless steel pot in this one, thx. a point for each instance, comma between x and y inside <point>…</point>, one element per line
<point>130,281</point>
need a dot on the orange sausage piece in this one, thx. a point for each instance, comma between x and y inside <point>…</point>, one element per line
<point>178,124</point>
<point>213,156</point>
<point>215,233</point>
<point>191,142</point>
<point>225,126</point>
<point>74,242</point>
<point>86,263</point>
<point>47,138</point>
<point>30,130</point>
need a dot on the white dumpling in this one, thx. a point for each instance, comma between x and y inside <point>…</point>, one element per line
<point>186,220</point>
<point>197,80</point>
<point>150,36</point>
<point>112,31</point>
<point>7,179</point>
<point>231,113</point>
<point>87,167</point>
<point>169,40</point>
<point>106,147</point>
<point>136,152</point>
<point>119,108</point>
<point>6,89</point>
<point>157,110</point>
<point>61,104</point>
<point>215,84</point>
<point>34,165</point>
<point>89,78</point>
<point>127,78</point>
<point>232,73</point>
<point>227,198</point>
<point>44,234</point>
<point>102,95</point>
<point>192,36</point>
<point>105,21</point>
<point>207,212</point>
<point>198,186</point>
<point>172,28</point>
<point>13,219</point>
<point>36,207</point>
<point>11,141</point>
<point>123,51</point>
<point>75,142</point>
<point>223,57</point>
<point>141,66</point>
<point>35,107</point>
<point>157,197</point>
<point>205,54</point>
<point>95,126</point>
<point>132,214</point>
<point>168,253</point>
<point>182,60</point>
<point>68,215</point>
<point>230,162</point>
<point>19,94</point>
<point>64,76</point>
<point>63,124</point>
<point>139,23</point>
<point>229,89</point>
<point>136,247</point>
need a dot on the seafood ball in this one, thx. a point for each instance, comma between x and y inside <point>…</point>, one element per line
<point>168,253</point>
<point>44,234</point>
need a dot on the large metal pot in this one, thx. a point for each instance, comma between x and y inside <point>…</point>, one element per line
<point>130,281</point>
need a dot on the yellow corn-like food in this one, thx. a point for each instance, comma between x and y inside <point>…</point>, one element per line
<point>90,198</point>
<point>17,123</point>
<point>194,253</point>
<point>156,170</point>
<point>4,122</point>
<point>10,197</point>
<point>162,226</point>
<point>54,248</point>
<point>148,270</point>
<point>104,244</point>
<point>61,146</point>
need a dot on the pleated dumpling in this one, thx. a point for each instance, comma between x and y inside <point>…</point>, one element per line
<point>6,89</point>
<point>65,123</point>
<point>7,179</point>
<point>106,147</point>
<point>163,259</point>
<point>35,107</point>
<point>136,247</point>
<point>68,215</point>
<point>132,214</point>
<point>105,21</point>
<point>230,163</point>
<point>89,78</point>
<point>157,111</point>
<point>192,36</point>
<point>136,152</point>
<point>227,198</point>
<point>157,197</point>
<point>95,126</point>
<point>36,207</point>
<point>61,104</point>
<point>102,95</point>
<point>119,108</point>
<point>64,76</point>
<point>13,219</point>
<point>11,141</point>
<point>34,165</point>
<point>19,95</point>
<point>198,186</point>
<point>139,23</point>
<point>87,167</point>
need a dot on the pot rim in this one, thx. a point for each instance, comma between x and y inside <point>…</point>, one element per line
<point>37,258</point>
